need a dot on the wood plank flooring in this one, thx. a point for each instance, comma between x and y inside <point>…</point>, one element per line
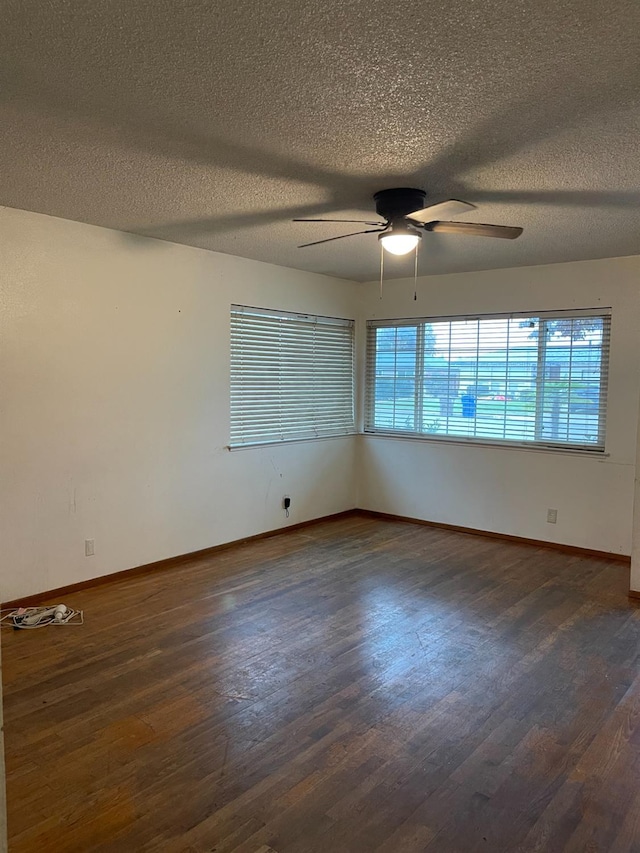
<point>356,686</point>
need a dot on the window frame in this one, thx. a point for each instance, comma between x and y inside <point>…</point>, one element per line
<point>316,423</point>
<point>540,444</point>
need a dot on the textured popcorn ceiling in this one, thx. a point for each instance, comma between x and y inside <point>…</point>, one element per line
<point>213,123</point>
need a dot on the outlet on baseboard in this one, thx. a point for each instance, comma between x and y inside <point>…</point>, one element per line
<point>552,516</point>
<point>89,547</point>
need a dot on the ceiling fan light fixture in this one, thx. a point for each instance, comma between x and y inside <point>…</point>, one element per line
<point>400,239</point>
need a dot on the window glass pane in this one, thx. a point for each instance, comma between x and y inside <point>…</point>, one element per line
<point>479,379</point>
<point>571,392</point>
<point>395,378</point>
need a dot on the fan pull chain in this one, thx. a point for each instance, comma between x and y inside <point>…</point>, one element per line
<point>415,276</point>
<point>381,268</point>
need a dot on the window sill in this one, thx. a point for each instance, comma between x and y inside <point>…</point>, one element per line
<point>286,441</point>
<point>554,450</point>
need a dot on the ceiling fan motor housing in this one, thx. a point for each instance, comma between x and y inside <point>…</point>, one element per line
<point>396,203</point>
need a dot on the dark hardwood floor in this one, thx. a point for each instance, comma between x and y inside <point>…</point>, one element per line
<point>355,686</point>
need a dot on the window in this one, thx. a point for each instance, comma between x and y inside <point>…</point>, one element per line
<point>538,380</point>
<point>291,376</point>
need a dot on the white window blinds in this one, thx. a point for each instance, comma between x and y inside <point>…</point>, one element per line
<point>528,379</point>
<point>291,376</point>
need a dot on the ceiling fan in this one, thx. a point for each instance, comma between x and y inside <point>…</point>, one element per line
<point>405,218</point>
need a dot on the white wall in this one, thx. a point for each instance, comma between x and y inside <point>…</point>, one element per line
<point>508,490</point>
<point>115,403</point>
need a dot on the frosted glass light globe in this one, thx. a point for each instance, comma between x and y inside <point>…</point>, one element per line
<point>399,244</point>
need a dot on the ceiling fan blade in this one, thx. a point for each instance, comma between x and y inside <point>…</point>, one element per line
<point>475,229</point>
<point>341,236</point>
<point>452,207</point>
<point>358,221</point>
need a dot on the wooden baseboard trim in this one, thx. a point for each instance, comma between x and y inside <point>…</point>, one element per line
<point>171,562</point>
<point>538,543</point>
<point>635,594</point>
<point>168,563</point>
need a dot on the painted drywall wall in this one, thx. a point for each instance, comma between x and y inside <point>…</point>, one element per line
<point>508,490</point>
<point>114,378</point>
